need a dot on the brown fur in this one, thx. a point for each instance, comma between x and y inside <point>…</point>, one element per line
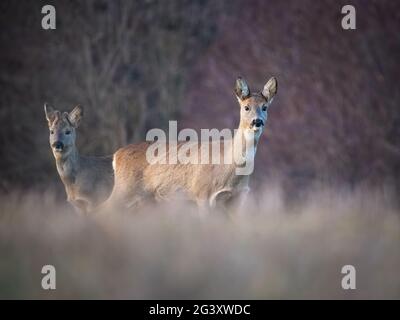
<point>88,181</point>
<point>137,181</point>
<point>206,184</point>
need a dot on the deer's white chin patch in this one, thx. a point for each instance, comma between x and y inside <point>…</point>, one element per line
<point>252,133</point>
<point>60,152</point>
<point>255,131</point>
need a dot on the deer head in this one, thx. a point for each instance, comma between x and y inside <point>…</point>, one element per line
<point>254,106</point>
<point>62,129</point>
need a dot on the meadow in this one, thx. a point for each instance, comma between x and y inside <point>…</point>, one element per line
<point>271,250</point>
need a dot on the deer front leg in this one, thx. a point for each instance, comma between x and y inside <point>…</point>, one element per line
<point>240,200</point>
<point>220,200</point>
<point>203,207</point>
<point>80,206</point>
<point>229,201</point>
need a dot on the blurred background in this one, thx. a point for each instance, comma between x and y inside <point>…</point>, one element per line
<point>134,65</point>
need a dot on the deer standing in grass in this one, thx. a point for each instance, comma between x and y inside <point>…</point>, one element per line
<point>88,181</point>
<point>209,185</point>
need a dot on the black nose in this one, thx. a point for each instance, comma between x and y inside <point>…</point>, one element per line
<point>58,145</point>
<point>257,123</point>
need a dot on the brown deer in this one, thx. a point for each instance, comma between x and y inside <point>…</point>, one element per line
<point>88,181</point>
<point>209,185</point>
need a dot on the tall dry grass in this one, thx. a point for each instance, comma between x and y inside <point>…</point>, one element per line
<point>270,250</point>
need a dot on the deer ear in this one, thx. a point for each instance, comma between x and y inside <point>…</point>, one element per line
<point>50,113</point>
<point>270,89</point>
<point>75,116</point>
<point>242,89</point>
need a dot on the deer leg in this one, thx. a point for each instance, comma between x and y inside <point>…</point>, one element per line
<point>80,205</point>
<point>203,208</point>
<point>220,201</point>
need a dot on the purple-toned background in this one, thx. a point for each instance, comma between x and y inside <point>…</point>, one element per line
<point>134,65</point>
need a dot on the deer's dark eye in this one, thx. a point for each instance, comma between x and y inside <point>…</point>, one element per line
<point>51,132</point>
<point>68,132</point>
<point>264,108</point>
<point>247,108</point>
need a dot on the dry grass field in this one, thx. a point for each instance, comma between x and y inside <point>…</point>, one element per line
<point>271,250</point>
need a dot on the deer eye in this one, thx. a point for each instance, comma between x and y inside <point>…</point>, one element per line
<point>51,131</point>
<point>247,108</point>
<point>68,132</point>
<point>264,108</point>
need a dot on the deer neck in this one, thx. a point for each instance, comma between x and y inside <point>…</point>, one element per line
<point>244,145</point>
<point>68,165</point>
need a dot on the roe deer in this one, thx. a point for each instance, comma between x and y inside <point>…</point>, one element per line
<point>88,181</point>
<point>206,184</point>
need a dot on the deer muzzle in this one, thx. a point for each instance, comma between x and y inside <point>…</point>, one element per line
<point>58,146</point>
<point>257,123</point>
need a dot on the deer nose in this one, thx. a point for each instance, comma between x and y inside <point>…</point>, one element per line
<point>58,146</point>
<point>257,122</point>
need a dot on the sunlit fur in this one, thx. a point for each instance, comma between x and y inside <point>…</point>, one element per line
<point>208,185</point>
